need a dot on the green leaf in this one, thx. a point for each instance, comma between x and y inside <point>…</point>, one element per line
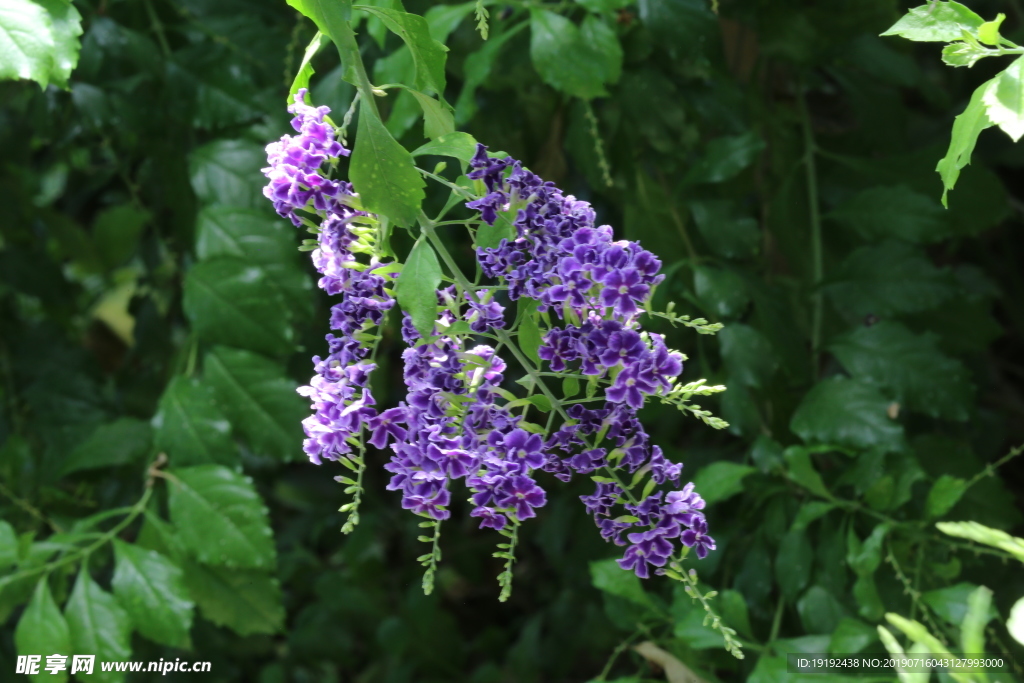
<point>734,611</point>
<point>918,374</point>
<point>966,128</point>
<point>542,402</point>
<point>972,531</point>
<point>27,42</point>
<point>721,480</point>
<point>951,603</point>
<point>600,37</point>
<point>228,172</point>
<point>121,442</point>
<point>116,233</point>
<point>679,25</point>
<point>220,518</point>
<point>793,564</point>
<point>260,239</point>
<point>330,16</point>
<point>727,235</point>
<point>565,60</point>
<point>457,145</point>
<point>383,173</point>
<point>570,387</point>
<point>306,71</point>
<point>887,279</point>
<point>443,19</point>
<point>972,628</point>
<point>864,557</point>
<point>417,286</point>
<point>229,301</point>
<point>190,427</point>
<point>936,22</point>
<point>1015,624</point>
<point>988,32</point>
<point>42,630</point>
<point>427,54</point>
<point>529,336</point>
<point>800,469</point>
<point>748,355</point>
<point>894,211</point>
<point>8,546</point>
<point>246,601</point>
<point>811,512</point>
<point>150,589</point>
<point>1004,100</point>
<point>963,54</point>
<point>98,626</point>
<point>847,412</point>
<point>477,69</point>
<point>438,119</point>
<point>869,602</point>
<point>604,6</point>
<point>66,23</point>
<point>945,493</point>
<point>819,611</point>
<point>721,290</point>
<point>725,158</point>
<point>609,577</point>
<point>851,636</point>
<point>259,400</point>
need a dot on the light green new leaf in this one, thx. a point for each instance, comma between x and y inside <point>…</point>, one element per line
<point>99,626</point>
<point>457,145</point>
<point>979,533</point>
<point>565,60</point>
<point>1015,624</point>
<point>42,630</point>
<point>66,24</point>
<point>416,290</point>
<point>530,338</point>
<point>988,32</point>
<point>121,442</point>
<point>259,400</point>
<point>438,119</point>
<point>609,577</point>
<point>245,600</point>
<point>894,211</point>
<point>911,366</point>
<point>306,71</point>
<point>936,22</point>
<point>721,480</point>
<point>220,518</point>
<point>383,173</point>
<point>1004,101</point>
<point>846,412</point>
<point>966,128</point>
<point>230,301</point>
<point>150,589</point>
<point>427,54</point>
<point>27,42</point>
<point>972,628</point>
<point>962,54</point>
<point>944,494</point>
<point>190,427</point>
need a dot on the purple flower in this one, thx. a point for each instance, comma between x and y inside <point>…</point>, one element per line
<point>623,290</point>
<point>522,494</point>
<point>523,447</point>
<point>430,501</point>
<point>489,518</point>
<point>696,537</point>
<point>385,425</point>
<point>647,549</point>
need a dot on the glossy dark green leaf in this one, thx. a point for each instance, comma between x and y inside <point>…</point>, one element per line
<point>944,494</point>
<point>42,630</point>
<point>911,367</point>
<point>748,355</point>
<point>220,518</point>
<point>894,211</point>
<point>722,290</point>
<point>800,469</point>
<point>728,235</point>
<point>190,427</point>
<point>417,286</point>
<point>793,564</point>
<point>230,301</point>
<point>725,158</point>
<point>428,55</point>
<point>609,577</point>
<point>721,480</point>
<point>936,22</point>
<point>150,589</point>
<point>383,173</point>
<point>228,172</point>
<point>564,59</point>
<point>116,233</point>
<point>121,442</point>
<point>98,625</point>
<point>259,401</point>
<point>847,412</point>
<point>887,279</point>
<point>246,601</point>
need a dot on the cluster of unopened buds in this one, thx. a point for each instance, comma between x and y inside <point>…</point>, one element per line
<point>459,419</point>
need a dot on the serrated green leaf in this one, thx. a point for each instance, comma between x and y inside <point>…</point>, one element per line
<point>894,211</point>
<point>27,42</point>
<point>417,286</point>
<point>228,172</point>
<point>427,54</point>
<point>847,412</point>
<point>962,54</point>
<point>246,601</point>
<point>220,518</point>
<point>1004,100</point>
<point>190,427</point>
<point>121,442</point>
<point>721,480</point>
<point>457,145</point>
<point>98,626</point>
<point>438,118</point>
<point>259,401</point>
<point>151,590</point>
<point>887,279</point>
<point>966,128</point>
<point>42,630</point>
<point>944,494</point>
<point>305,71</point>
<point>230,301</point>
<point>564,59</point>
<point>609,577</point>
<point>911,366</point>
<point>936,22</point>
<point>383,173</point>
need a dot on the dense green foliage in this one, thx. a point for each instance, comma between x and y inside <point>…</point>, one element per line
<point>156,316</point>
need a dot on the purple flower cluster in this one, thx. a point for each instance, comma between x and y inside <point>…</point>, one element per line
<point>450,427</point>
<point>338,392</point>
<point>598,286</point>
